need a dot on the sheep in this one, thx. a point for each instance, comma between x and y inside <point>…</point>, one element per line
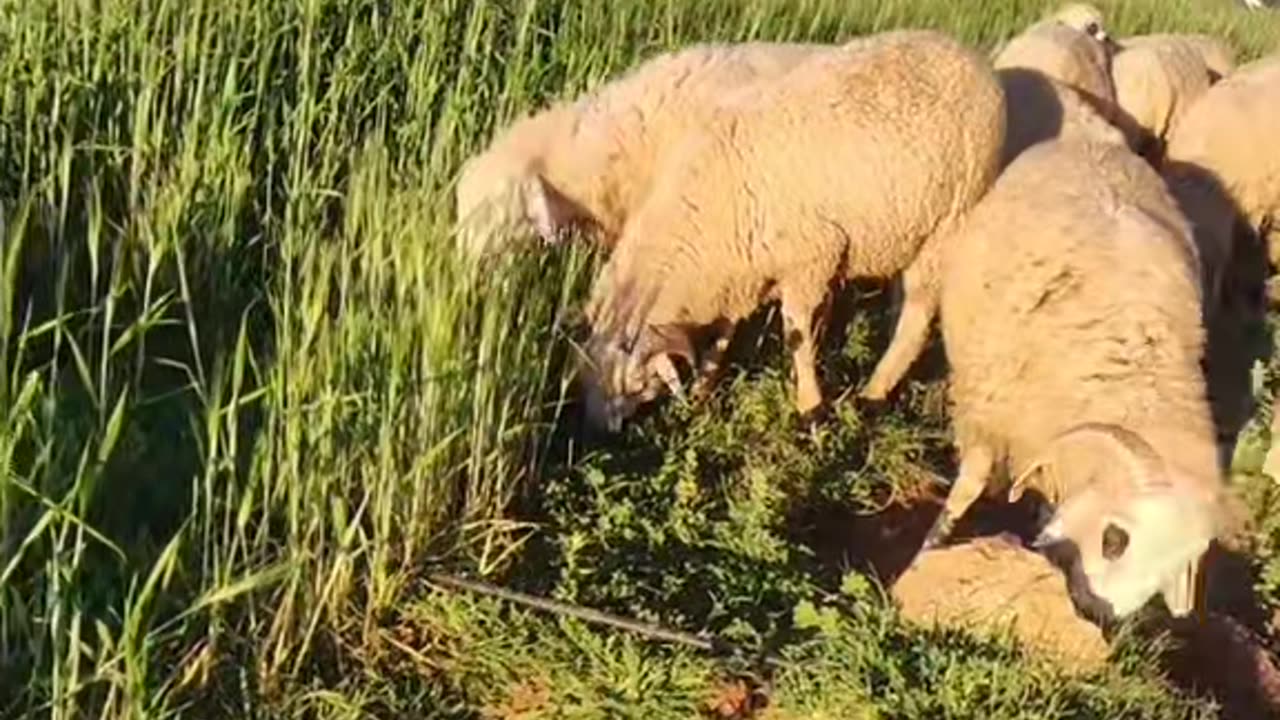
<point>1071,319</point>
<point>852,165</point>
<point>1218,57</point>
<point>1081,17</point>
<point>1222,161</point>
<point>1226,142</point>
<point>587,163</point>
<point>1063,53</point>
<point>1040,108</point>
<point>1155,83</point>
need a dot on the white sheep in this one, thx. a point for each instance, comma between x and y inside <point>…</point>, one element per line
<point>587,163</point>
<point>1225,147</point>
<point>1083,17</point>
<point>849,166</point>
<point>1063,53</point>
<point>1040,108</point>
<point>1071,320</point>
<point>1218,57</point>
<point>1155,83</point>
<point>1223,159</point>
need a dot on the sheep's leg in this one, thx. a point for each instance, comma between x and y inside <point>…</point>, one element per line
<point>803,316</point>
<point>920,298</point>
<point>1271,465</point>
<point>975,468</point>
<point>712,366</point>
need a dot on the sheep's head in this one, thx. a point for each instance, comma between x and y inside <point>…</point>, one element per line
<point>619,377</point>
<point>1131,531</point>
<point>1086,18</point>
<point>490,210</point>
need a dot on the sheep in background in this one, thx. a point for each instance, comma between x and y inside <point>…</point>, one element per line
<point>855,164</point>
<point>1088,19</point>
<point>1057,80</point>
<point>1063,53</point>
<point>1218,57</point>
<point>1155,84</point>
<point>1071,319</point>
<point>1082,17</point>
<point>587,163</point>
<point>1222,159</point>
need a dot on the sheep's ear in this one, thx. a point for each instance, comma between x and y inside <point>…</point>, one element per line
<point>550,212</point>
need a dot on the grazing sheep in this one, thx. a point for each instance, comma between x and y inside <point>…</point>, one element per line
<point>1081,17</point>
<point>1155,83</point>
<point>1040,108</point>
<point>1224,149</point>
<point>588,162</point>
<point>1071,319</point>
<point>852,165</point>
<point>1218,57</point>
<point>1063,53</point>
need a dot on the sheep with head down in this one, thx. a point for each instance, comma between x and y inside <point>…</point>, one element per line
<point>1071,56</point>
<point>1223,163</point>
<point>587,163</point>
<point>855,164</point>
<point>1218,57</point>
<point>1072,322</point>
<point>1057,82</point>
<point>1226,140</point>
<point>1155,85</point>
<point>1082,17</point>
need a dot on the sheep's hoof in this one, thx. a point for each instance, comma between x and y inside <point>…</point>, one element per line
<point>812,419</point>
<point>874,405</point>
<point>873,393</point>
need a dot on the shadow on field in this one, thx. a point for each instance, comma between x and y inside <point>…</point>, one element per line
<point>125,341</point>
<point>710,513</point>
<point>1236,330</point>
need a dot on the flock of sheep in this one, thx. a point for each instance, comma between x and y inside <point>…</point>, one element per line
<point>1074,210</point>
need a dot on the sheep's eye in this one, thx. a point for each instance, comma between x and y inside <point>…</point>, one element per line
<point>1092,29</point>
<point>1114,542</point>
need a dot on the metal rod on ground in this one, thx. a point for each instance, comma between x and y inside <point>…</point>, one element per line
<point>711,645</point>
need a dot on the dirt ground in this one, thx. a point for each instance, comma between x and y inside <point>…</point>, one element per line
<point>1222,655</point>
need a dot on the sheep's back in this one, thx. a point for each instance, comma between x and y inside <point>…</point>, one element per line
<point>629,127</point>
<point>1216,54</point>
<point>1066,296</point>
<point>1064,54</point>
<point>1231,133</point>
<point>875,144</point>
<point>1156,83</point>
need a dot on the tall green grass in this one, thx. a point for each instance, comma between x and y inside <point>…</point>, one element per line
<point>247,389</point>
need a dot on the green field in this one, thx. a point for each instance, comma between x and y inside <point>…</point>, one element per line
<point>250,398</point>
